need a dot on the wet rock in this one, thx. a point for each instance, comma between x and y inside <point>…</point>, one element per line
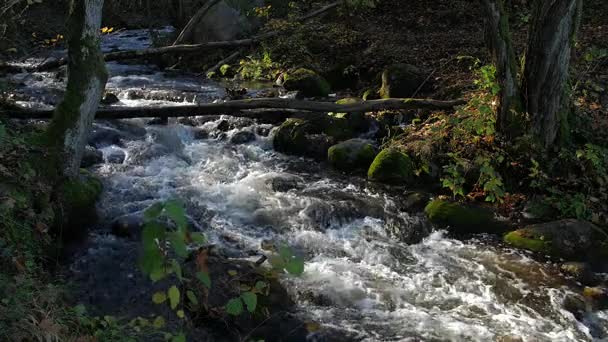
<point>415,201</point>
<point>224,126</point>
<point>311,138</point>
<point>91,156</point>
<point>569,239</point>
<point>109,99</point>
<point>351,155</point>
<point>242,137</point>
<point>128,226</point>
<point>391,166</point>
<point>401,80</point>
<point>576,305</point>
<point>284,183</point>
<point>262,131</point>
<point>103,136</point>
<point>116,156</point>
<point>462,219</point>
<point>307,82</point>
<point>200,134</point>
<point>579,271</point>
<point>598,297</point>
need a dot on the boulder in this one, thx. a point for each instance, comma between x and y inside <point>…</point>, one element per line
<point>579,271</point>
<point>116,156</point>
<point>351,155</point>
<point>200,134</point>
<point>307,82</point>
<point>109,99</point>
<point>462,219</point>
<point>391,166</point>
<point>311,138</point>
<point>401,80</point>
<point>128,226</point>
<point>91,156</point>
<point>569,239</point>
<point>228,20</point>
<point>242,137</point>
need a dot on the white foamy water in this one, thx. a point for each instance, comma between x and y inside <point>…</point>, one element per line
<point>358,279</point>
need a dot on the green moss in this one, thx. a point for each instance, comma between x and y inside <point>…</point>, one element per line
<point>460,218</point>
<point>521,239</point>
<point>351,155</point>
<point>308,82</point>
<point>391,166</point>
<point>78,198</point>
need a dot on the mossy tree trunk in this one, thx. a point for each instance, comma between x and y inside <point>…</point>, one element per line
<point>87,76</point>
<point>545,77</point>
<point>543,93</point>
<point>498,38</point>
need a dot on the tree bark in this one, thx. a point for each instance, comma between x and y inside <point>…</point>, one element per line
<point>554,27</point>
<point>498,38</point>
<point>87,76</point>
<point>238,106</point>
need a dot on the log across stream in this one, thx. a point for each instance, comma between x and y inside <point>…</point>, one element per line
<point>360,282</point>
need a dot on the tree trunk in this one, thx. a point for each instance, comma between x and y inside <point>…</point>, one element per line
<point>554,26</point>
<point>87,76</point>
<point>498,38</point>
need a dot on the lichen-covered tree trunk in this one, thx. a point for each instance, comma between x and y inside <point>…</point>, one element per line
<point>544,84</point>
<point>498,38</point>
<point>87,76</point>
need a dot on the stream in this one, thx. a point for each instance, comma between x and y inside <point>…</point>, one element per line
<point>358,279</point>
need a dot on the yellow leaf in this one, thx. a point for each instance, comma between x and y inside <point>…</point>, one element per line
<point>232,273</point>
<point>110,30</point>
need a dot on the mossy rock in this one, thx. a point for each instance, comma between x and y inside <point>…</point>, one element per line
<point>307,82</point>
<point>302,138</point>
<point>391,166</point>
<point>353,154</point>
<point>462,219</point>
<point>78,199</point>
<point>400,80</point>
<point>568,239</point>
<point>311,138</point>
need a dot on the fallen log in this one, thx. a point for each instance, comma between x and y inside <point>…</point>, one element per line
<point>238,106</point>
<point>173,49</point>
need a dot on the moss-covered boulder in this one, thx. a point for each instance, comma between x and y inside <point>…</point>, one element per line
<point>401,80</point>
<point>307,82</point>
<point>313,137</point>
<point>569,239</point>
<point>462,219</point>
<point>391,166</point>
<point>353,154</point>
<point>78,199</point>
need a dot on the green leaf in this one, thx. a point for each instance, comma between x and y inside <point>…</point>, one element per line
<point>204,278</point>
<point>232,273</point>
<point>251,300</point>
<point>260,285</point>
<point>277,262</point>
<point>178,242</point>
<point>159,297</point>
<point>198,238</point>
<point>158,273</point>
<point>153,212</point>
<point>295,266</point>
<point>179,338</point>
<point>177,268</point>
<point>180,313</point>
<point>173,296</point>
<point>234,307</point>
<point>159,322</point>
<point>192,297</point>
<point>175,211</point>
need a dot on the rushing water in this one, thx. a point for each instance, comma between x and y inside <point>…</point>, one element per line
<point>358,279</point>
